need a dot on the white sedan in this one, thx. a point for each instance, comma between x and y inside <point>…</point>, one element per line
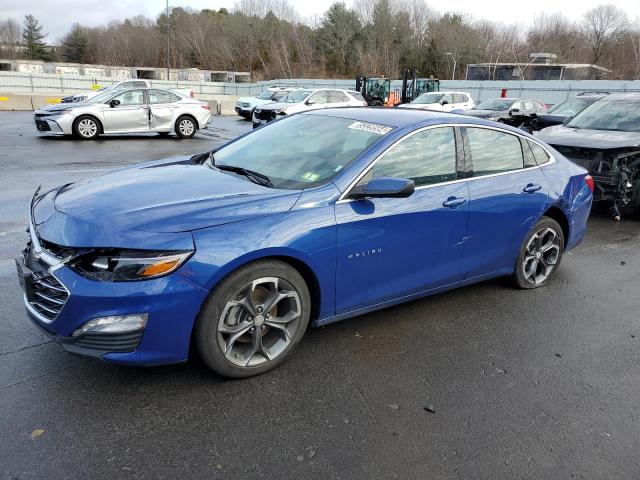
<point>131,111</point>
<point>443,102</point>
<point>307,99</point>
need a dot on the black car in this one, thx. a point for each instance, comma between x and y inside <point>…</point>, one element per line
<point>563,111</point>
<point>605,139</point>
<point>507,110</point>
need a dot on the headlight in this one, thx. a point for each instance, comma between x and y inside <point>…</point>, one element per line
<point>62,112</point>
<point>128,265</point>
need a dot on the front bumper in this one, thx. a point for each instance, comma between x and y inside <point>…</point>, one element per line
<point>243,112</point>
<point>53,124</point>
<point>171,303</point>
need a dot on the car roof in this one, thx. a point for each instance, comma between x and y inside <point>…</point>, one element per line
<point>395,117</point>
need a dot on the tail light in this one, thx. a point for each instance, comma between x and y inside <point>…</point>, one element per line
<point>589,181</point>
<point>191,93</point>
<point>206,107</point>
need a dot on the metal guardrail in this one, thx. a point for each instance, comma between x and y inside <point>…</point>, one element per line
<point>549,91</point>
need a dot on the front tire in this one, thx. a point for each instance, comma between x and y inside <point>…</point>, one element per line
<point>185,127</point>
<point>86,127</point>
<point>253,319</point>
<point>540,255</point>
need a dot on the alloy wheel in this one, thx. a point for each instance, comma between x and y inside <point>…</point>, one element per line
<point>186,127</point>
<point>87,128</point>
<point>541,255</point>
<point>259,322</point>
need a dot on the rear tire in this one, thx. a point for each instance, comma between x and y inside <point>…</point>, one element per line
<point>540,255</point>
<point>253,319</point>
<point>86,127</point>
<point>185,127</point>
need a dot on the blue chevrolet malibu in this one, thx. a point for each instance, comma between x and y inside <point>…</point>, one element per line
<point>314,218</point>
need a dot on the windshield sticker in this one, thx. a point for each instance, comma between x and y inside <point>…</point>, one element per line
<point>310,176</point>
<point>371,127</point>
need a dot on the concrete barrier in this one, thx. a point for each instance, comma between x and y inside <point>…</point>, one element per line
<point>15,101</point>
<point>41,100</point>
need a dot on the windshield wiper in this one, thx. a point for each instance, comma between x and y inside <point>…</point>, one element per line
<point>255,177</point>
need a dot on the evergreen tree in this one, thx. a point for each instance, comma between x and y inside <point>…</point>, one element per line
<point>33,39</point>
<point>75,44</point>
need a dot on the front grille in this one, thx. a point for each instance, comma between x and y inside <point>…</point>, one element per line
<point>49,295</point>
<point>42,126</point>
<point>267,115</point>
<point>109,342</point>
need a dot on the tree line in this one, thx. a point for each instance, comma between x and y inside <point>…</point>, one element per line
<point>373,37</point>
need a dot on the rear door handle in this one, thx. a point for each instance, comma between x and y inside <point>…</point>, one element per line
<point>531,188</point>
<point>454,202</point>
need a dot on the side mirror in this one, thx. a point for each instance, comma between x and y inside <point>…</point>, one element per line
<point>114,103</point>
<point>384,187</point>
<point>310,102</point>
<point>514,110</point>
<point>444,102</point>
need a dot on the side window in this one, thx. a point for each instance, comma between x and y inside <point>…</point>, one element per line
<point>132,97</point>
<point>320,97</point>
<point>426,157</point>
<point>539,153</point>
<point>336,96</point>
<point>448,99</point>
<point>517,106</point>
<point>529,105</point>
<point>174,97</point>
<point>493,151</point>
<point>159,96</point>
<point>459,98</point>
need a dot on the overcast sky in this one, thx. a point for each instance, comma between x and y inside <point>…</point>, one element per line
<point>58,15</point>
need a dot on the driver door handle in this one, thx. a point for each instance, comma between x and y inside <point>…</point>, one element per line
<point>454,202</point>
<point>531,188</point>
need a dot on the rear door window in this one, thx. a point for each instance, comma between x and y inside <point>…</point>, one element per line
<point>539,153</point>
<point>493,151</point>
<point>336,96</point>
<point>159,96</point>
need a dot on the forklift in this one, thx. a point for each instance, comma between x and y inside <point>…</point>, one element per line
<point>377,92</point>
<point>413,87</point>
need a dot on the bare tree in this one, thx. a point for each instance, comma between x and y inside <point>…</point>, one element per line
<point>604,25</point>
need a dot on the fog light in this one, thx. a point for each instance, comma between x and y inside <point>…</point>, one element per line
<point>114,324</point>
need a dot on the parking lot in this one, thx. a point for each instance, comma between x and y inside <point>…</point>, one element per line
<point>517,384</point>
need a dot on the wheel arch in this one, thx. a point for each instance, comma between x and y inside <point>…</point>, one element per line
<point>192,117</point>
<point>301,265</point>
<point>98,121</point>
<point>559,216</point>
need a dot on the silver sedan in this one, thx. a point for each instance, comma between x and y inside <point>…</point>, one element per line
<point>131,111</point>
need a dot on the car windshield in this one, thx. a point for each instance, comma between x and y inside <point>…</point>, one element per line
<point>102,97</point>
<point>266,95</point>
<point>429,98</point>
<point>615,115</point>
<point>296,96</point>
<point>571,107</point>
<point>301,151</point>
<point>497,104</point>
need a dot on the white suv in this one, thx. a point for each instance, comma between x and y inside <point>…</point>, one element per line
<point>443,101</point>
<point>306,99</point>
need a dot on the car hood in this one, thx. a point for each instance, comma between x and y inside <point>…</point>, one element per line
<point>276,106</point>
<point>61,106</point>
<point>422,106</point>
<point>169,196</point>
<point>483,113</point>
<point>597,139</point>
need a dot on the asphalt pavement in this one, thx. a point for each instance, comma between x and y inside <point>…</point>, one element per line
<point>482,382</point>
